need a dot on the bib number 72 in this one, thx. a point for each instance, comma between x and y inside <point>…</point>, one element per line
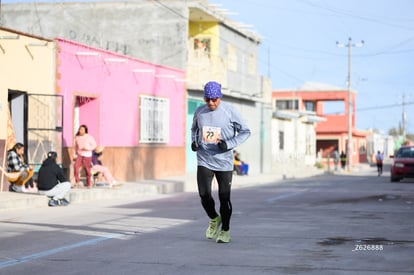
<point>211,134</point>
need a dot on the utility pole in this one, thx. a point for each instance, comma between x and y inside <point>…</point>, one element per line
<point>404,119</point>
<point>349,46</point>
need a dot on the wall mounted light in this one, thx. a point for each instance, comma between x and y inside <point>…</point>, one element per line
<point>34,45</point>
<point>115,60</point>
<point>165,76</point>
<point>143,71</point>
<point>81,54</point>
<point>9,36</point>
<point>37,44</point>
<point>87,54</point>
<point>4,37</point>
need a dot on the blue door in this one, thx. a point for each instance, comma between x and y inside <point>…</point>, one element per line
<point>191,158</point>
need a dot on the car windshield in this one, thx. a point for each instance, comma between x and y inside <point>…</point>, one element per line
<point>406,152</point>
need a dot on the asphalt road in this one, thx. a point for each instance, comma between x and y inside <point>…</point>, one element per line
<point>330,224</point>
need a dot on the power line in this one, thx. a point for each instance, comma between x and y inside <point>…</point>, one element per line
<point>352,14</point>
<point>384,106</point>
<point>374,108</point>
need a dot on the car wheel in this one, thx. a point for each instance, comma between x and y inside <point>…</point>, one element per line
<point>395,179</point>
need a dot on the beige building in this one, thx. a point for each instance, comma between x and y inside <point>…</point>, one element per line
<point>27,89</point>
<point>294,134</point>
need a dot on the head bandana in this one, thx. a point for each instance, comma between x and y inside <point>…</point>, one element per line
<point>52,155</point>
<point>212,90</point>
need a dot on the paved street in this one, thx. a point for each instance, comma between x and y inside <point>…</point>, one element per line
<point>328,224</point>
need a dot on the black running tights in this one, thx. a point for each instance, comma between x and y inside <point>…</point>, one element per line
<point>204,180</point>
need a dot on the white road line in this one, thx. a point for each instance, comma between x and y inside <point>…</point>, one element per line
<point>32,257</point>
<point>284,196</point>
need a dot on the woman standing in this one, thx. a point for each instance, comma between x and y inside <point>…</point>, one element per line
<point>84,146</point>
<point>342,157</point>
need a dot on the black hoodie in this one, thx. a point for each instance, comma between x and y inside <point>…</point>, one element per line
<point>50,174</point>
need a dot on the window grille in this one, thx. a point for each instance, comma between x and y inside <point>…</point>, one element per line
<point>154,119</point>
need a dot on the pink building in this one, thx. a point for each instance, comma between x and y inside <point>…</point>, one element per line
<point>135,109</point>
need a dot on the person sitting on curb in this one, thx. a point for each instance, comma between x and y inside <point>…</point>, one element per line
<point>52,182</point>
<point>98,168</point>
<point>241,167</point>
<point>18,172</point>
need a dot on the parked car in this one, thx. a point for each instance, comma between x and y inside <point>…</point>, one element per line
<point>403,164</point>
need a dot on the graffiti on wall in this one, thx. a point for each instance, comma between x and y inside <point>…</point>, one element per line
<point>93,40</point>
<point>161,41</point>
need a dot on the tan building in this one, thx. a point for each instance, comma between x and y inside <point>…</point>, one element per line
<point>294,135</point>
<point>27,89</point>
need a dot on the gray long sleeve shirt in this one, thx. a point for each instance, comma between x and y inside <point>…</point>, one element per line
<point>224,123</point>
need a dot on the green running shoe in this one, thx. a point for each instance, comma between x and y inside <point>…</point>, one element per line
<point>213,228</point>
<point>223,237</point>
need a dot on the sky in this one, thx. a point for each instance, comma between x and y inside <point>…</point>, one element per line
<point>299,45</point>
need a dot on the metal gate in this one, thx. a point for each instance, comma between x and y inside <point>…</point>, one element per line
<point>44,127</point>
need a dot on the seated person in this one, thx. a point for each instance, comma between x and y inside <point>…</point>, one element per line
<point>19,173</point>
<point>240,166</point>
<point>237,164</point>
<point>97,167</point>
<point>52,182</point>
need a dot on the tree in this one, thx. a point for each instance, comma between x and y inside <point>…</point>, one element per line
<point>394,132</point>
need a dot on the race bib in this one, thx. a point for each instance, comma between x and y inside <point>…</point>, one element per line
<point>211,134</point>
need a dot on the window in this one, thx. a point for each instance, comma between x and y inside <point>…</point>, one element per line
<point>281,140</point>
<point>202,45</point>
<point>291,104</point>
<point>154,119</point>
<point>310,106</point>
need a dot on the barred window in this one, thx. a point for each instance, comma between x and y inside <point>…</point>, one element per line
<point>290,104</point>
<point>154,119</point>
<point>310,106</point>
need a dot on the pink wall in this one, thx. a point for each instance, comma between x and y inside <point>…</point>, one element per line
<point>113,116</point>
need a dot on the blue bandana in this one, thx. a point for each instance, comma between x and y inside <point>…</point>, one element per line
<point>212,90</point>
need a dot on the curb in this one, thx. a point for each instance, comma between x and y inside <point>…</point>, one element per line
<point>128,190</point>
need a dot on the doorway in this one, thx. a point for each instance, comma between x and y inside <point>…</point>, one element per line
<point>37,122</point>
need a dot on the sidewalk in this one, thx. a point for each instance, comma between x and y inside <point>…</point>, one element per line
<point>187,183</point>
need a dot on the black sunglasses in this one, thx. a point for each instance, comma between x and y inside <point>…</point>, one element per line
<point>210,99</point>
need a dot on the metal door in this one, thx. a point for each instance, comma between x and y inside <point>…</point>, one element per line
<point>44,127</point>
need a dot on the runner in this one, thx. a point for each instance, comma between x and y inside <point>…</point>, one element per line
<point>216,130</point>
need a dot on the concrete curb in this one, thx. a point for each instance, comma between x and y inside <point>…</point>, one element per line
<point>128,190</point>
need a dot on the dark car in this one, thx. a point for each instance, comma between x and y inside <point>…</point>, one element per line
<point>403,164</point>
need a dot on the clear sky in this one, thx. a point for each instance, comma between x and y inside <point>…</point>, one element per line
<point>299,45</point>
